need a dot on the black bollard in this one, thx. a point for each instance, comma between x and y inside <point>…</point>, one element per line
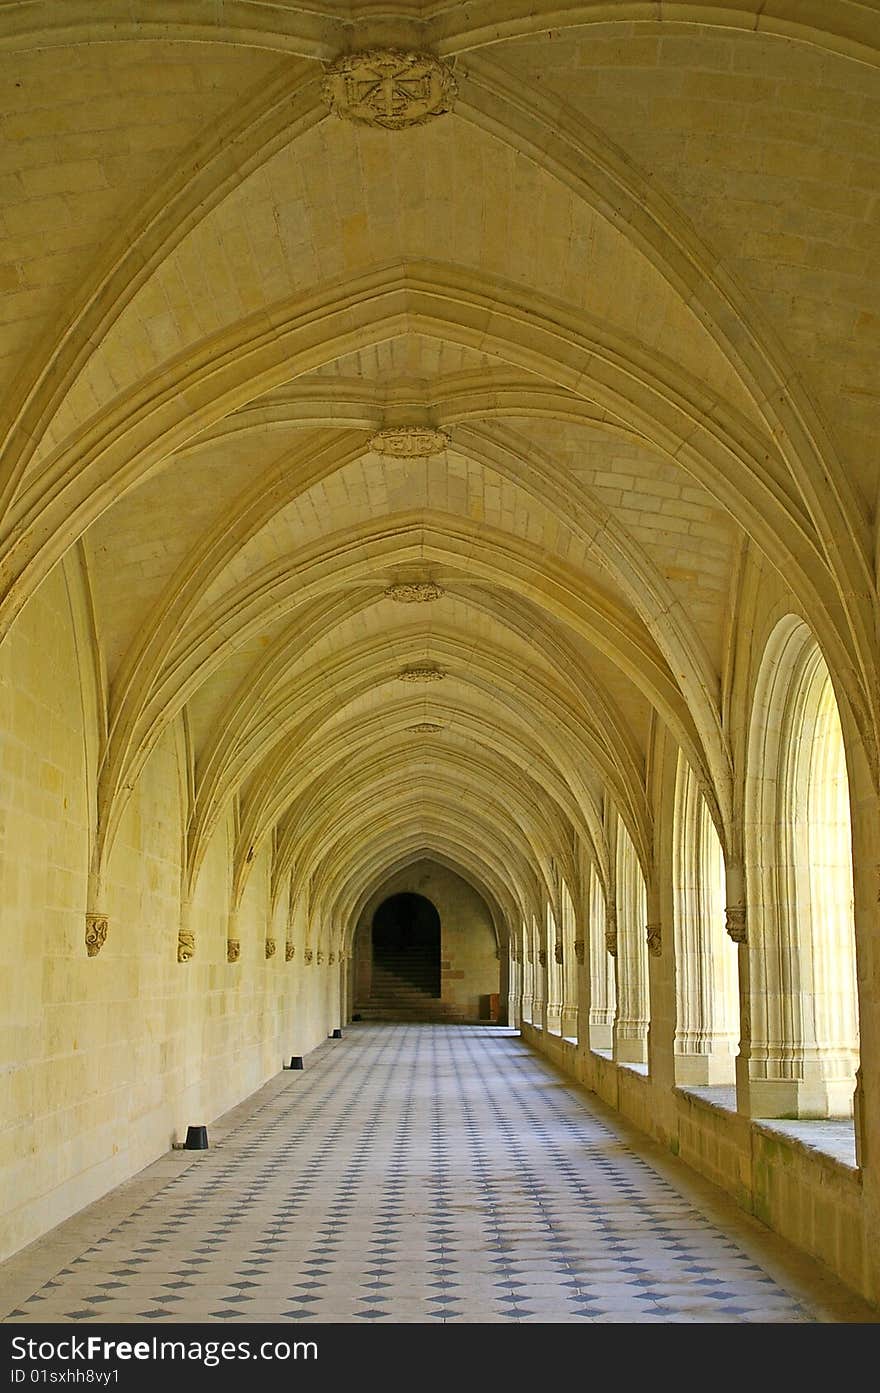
<point>337,1034</point>
<point>296,1061</point>
<point>196,1139</point>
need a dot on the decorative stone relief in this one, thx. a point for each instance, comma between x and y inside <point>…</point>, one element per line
<point>186,945</point>
<point>654,940</point>
<point>96,933</point>
<point>308,955</point>
<point>410,442</point>
<point>558,953</point>
<point>289,950</point>
<point>233,950</point>
<point>319,957</point>
<point>428,673</point>
<point>270,947</point>
<point>580,949</point>
<point>425,728</point>
<point>611,930</point>
<point>542,957</point>
<point>417,593</point>
<point>389,87</point>
<point>735,923</point>
<point>331,959</point>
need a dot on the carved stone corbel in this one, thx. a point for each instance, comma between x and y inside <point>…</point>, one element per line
<point>186,945</point>
<point>233,950</point>
<point>558,953</point>
<point>96,933</point>
<point>580,949</point>
<point>331,959</point>
<point>735,923</point>
<point>611,930</point>
<point>654,940</point>
<point>319,957</point>
<point>308,955</point>
<point>542,957</point>
<point>270,947</point>
<point>289,951</point>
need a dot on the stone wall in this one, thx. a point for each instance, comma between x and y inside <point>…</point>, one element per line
<point>106,1060</point>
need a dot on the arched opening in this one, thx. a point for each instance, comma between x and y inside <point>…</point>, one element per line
<point>707,988</point>
<point>805,1034</point>
<point>633,1016</point>
<point>406,944</point>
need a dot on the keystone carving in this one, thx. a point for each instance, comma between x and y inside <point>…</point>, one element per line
<point>233,950</point>
<point>409,442</point>
<point>289,950</point>
<point>186,945</point>
<point>270,947</point>
<point>429,673</point>
<point>654,940</point>
<point>417,593</point>
<point>96,933</point>
<point>389,87</point>
<point>735,923</point>
<point>580,950</point>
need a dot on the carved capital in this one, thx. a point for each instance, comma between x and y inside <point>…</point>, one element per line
<point>96,933</point>
<point>270,947</point>
<point>580,949</point>
<point>416,593</point>
<point>542,957</point>
<point>308,955</point>
<point>735,923</point>
<point>654,940</point>
<point>233,950</point>
<point>186,945</point>
<point>331,959</point>
<point>319,957</point>
<point>611,942</point>
<point>389,87</point>
<point>289,951</point>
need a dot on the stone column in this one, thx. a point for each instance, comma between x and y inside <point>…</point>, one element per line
<point>633,1014</point>
<point>602,941</point>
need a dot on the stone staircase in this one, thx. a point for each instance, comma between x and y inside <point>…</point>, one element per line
<point>405,988</point>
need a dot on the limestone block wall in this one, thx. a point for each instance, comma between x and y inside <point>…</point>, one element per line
<point>106,1060</point>
<point>469,967</point>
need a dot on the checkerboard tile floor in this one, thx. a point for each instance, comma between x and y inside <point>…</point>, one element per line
<point>417,1173</point>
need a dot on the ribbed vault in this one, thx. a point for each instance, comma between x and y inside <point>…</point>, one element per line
<point>192,405</point>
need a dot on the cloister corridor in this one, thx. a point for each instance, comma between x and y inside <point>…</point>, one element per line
<point>440,643</point>
<point>419,1173</point>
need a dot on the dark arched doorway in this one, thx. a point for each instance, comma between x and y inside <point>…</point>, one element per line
<point>406,945</point>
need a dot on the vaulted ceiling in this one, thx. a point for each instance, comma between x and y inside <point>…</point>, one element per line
<point>624,294</point>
